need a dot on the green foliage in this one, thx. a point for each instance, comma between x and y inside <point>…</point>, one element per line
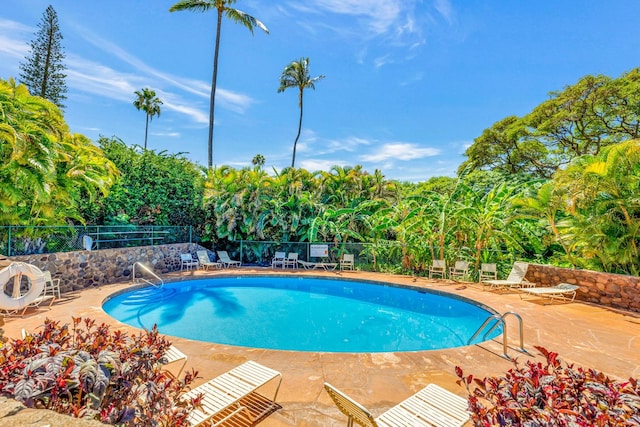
<point>45,171</point>
<point>43,70</point>
<point>155,188</point>
<point>87,371</point>
<point>148,102</point>
<point>583,118</point>
<point>552,394</point>
<point>297,75</point>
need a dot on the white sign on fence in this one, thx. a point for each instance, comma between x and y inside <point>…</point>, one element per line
<point>320,251</point>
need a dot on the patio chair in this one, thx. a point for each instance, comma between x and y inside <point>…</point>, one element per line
<point>438,268</point>
<point>488,271</point>
<point>514,280</point>
<point>231,393</point>
<point>204,261</point>
<point>227,262</point>
<point>187,262</point>
<point>278,260</point>
<point>561,290</point>
<point>291,260</point>
<point>347,262</point>
<point>431,406</point>
<point>459,271</point>
<point>51,286</point>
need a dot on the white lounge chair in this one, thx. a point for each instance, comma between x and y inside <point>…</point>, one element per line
<point>431,406</point>
<point>36,294</point>
<point>438,268</point>
<point>224,396</point>
<point>488,271</point>
<point>223,256</point>
<point>515,279</point>
<point>347,262</point>
<point>187,262</point>
<point>565,291</point>
<point>291,260</point>
<point>278,260</point>
<point>173,355</point>
<point>204,261</point>
<point>459,271</point>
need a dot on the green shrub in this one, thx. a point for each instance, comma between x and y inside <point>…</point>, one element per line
<point>88,371</point>
<point>551,394</point>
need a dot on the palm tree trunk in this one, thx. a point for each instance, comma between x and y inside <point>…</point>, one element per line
<point>295,143</point>
<point>146,132</point>
<point>212,98</point>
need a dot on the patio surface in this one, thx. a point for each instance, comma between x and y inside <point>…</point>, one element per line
<point>591,336</point>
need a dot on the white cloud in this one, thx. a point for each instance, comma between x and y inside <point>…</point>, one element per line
<point>319,164</point>
<point>399,151</point>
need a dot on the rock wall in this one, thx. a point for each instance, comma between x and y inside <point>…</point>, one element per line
<point>611,290</point>
<point>86,269</point>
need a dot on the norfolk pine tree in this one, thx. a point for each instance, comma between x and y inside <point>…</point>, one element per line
<point>43,69</point>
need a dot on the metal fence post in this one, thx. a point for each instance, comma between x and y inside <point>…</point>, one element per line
<point>9,243</point>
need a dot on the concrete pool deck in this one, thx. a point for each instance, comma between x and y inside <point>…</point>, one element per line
<point>591,336</point>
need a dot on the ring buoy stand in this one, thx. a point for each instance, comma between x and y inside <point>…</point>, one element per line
<point>16,270</point>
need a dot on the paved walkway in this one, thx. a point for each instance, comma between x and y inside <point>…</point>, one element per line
<point>590,336</point>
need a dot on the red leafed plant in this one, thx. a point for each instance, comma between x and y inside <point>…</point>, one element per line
<point>89,371</point>
<point>552,394</point>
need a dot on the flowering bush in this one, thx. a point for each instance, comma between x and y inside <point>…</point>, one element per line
<point>551,394</point>
<point>88,371</point>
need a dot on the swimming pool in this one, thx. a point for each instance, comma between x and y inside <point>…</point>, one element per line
<point>302,314</point>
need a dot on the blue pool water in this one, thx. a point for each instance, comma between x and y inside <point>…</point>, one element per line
<point>302,314</point>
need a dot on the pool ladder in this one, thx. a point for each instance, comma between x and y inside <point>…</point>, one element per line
<point>499,320</point>
<point>142,279</point>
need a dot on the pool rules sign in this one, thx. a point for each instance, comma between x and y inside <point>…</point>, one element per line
<point>320,251</point>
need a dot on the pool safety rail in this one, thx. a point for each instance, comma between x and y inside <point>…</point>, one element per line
<point>499,321</point>
<point>141,266</point>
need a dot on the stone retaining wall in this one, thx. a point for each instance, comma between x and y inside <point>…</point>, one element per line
<point>611,290</point>
<point>86,269</point>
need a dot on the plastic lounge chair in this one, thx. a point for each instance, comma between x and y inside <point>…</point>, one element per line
<point>488,271</point>
<point>291,260</point>
<point>438,268</point>
<point>33,297</point>
<point>431,406</point>
<point>173,355</point>
<point>223,396</point>
<point>561,291</point>
<point>347,262</point>
<point>227,262</point>
<point>459,271</point>
<point>186,261</point>
<point>278,260</point>
<point>515,279</point>
<point>204,261</point>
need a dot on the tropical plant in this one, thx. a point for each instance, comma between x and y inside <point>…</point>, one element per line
<point>223,8</point>
<point>155,188</point>
<point>148,102</point>
<point>43,69</point>
<point>297,75</point>
<point>87,371</point>
<point>552,394</point>
<point>45,171</point>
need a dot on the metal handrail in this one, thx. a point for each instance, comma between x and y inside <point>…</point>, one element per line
<point>148,270</point>
<point>500,321</point>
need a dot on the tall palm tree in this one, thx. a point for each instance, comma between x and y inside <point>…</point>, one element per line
<point>222,6</point>
<point>148,102</point>
<point>297,75</point>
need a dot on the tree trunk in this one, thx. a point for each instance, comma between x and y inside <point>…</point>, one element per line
<point>212,99</point>
<point>295,143</point>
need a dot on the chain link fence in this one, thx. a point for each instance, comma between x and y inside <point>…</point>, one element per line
<point>25,240</point>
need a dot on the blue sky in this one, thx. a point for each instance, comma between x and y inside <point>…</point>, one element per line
<point>409,83</point>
